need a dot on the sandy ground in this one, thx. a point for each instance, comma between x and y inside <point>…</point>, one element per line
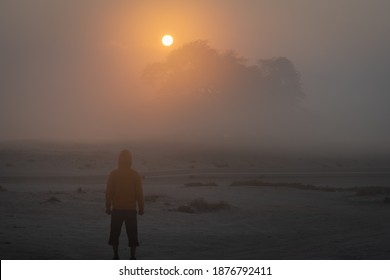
<point>61,216</point>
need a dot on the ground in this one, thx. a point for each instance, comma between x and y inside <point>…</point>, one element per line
<point>193,212</point>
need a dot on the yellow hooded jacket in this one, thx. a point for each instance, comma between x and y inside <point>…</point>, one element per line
<point>124,187</point>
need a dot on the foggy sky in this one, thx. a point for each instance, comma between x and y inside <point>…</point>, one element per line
<point>68,68</point>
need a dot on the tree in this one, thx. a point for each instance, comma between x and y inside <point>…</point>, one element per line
<point>219,92</point>
<point>196,68</point>
<point>281,79</point>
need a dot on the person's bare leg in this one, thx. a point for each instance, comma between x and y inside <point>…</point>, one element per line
<point>132,253</point>
<point>116,254</point>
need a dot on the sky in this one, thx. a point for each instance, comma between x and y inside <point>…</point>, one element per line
<point>68,68</point>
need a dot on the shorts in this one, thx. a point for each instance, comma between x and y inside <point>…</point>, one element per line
<point>130,219</point>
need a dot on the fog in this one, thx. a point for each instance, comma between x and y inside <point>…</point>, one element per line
<point>74,71</point>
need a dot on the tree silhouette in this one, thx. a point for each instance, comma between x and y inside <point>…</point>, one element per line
<point>197,69</point>
<point>281,79</point>
<point>209,88</point>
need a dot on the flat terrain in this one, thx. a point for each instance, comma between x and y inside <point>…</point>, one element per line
<point>52,207</point>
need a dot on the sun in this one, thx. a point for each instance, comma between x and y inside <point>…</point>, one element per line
<point>167,40</point>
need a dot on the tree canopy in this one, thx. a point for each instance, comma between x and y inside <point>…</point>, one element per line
<point>197,69</point>
<point>207,88</point>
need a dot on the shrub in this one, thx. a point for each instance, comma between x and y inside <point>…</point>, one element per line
<point>201,205</point>
<point>53,199</point>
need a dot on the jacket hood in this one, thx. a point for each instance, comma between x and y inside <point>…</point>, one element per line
<point>125,159</point>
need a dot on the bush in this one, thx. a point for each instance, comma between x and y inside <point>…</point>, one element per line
<point>53,199</point>
<point>201,206</point>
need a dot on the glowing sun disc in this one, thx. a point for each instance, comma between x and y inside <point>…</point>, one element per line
<point>167,40</point>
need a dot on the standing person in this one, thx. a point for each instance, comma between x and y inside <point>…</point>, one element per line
<point>123,194</point>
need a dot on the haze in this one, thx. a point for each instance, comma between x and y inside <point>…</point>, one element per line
<point>71,70</point>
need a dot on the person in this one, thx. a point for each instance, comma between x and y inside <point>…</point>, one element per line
<point>124,193</point>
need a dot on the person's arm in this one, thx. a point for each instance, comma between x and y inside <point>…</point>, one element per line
<point>109,194</point>
<point>140,195</point>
